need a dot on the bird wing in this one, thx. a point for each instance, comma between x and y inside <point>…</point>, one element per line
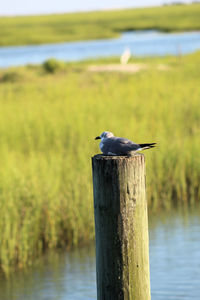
<point>119,146</point>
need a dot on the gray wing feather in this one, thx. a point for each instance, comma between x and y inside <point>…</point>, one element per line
<point>119,146</point>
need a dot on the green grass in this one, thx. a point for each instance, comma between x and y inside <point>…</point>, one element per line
<point>45,179</point>
<point>95,25</point>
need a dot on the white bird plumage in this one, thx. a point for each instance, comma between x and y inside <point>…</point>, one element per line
<point>126,55</point>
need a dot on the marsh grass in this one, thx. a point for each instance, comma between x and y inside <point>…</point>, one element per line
<point>95,25</point>
<point>47,128</point>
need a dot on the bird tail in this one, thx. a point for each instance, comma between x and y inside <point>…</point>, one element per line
<point>147,146</point>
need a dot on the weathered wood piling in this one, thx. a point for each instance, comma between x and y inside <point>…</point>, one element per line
<point>121,228</point>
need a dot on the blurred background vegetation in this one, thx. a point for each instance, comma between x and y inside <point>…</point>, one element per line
<point>94,25</point>
<point>50,115</point>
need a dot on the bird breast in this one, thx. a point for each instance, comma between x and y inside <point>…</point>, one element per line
<point>101,145</point>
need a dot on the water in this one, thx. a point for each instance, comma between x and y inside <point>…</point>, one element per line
<point>141,43</point>
<point>174,264</point>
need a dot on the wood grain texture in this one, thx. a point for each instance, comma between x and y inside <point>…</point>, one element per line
<point>121,228</point>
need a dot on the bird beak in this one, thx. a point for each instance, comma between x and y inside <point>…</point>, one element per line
<point>97,138</point>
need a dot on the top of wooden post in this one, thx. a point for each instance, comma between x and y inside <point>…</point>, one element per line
<point>115,157</point>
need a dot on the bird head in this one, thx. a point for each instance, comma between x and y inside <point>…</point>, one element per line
<point>105,135</point>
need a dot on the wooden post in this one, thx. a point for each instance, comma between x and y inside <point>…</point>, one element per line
<point>121,228</point>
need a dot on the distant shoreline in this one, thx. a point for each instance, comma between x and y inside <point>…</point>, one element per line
<point>54,28</point>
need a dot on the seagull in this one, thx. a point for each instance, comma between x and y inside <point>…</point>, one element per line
<point>112,145</point>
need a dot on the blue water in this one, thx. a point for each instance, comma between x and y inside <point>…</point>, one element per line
<point>141,43</point>
<point>174,266</point>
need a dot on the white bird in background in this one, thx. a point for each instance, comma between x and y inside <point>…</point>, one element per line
<point>112,145</point>
<point>126,55</point>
